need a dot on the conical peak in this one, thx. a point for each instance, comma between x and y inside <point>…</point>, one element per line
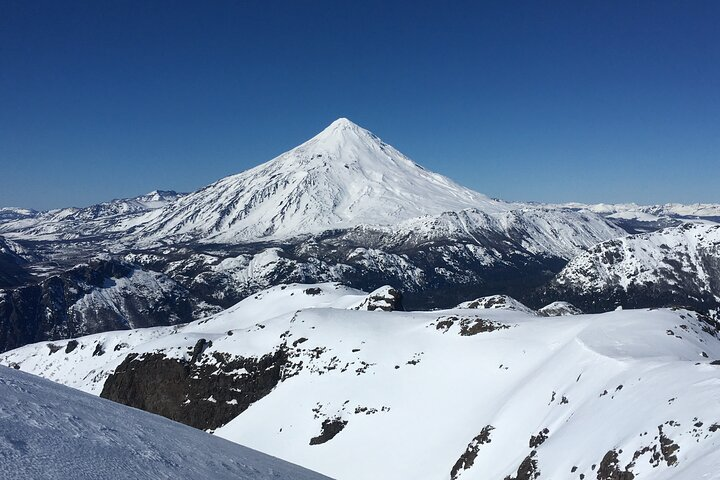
<point>343,123</point>
<point>340,127</point>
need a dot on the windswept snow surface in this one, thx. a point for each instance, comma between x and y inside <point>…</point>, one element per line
<point>49,431</point>
<point>482,393</point>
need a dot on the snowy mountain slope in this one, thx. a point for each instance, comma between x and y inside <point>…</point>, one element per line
<point>8,214</point>
<point>343,177</point>
<point>107,218</point>
<point>102,294</point>
<point>88,369</point>
<point>531,231</point>
<point>48,431</point>
<point>472,394</point>
<point>434,260</point>
<point>12,264</point>
<point>677,265</point>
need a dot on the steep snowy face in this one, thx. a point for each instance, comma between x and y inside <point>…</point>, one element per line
<point>677,265</point>
<point>690,252</point>
<point>344,176</point>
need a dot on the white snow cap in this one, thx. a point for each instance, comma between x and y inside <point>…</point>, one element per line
<point>342,177</point>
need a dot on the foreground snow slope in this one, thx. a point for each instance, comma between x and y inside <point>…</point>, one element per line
<point>470,393</point>
<point>49,431</point>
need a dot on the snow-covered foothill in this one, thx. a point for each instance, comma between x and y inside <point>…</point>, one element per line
<point>504,302</point>
<point>556,309</point>
<point>475,394</point>
<point>685,257</point>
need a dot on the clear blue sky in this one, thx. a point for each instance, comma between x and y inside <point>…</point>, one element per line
<point>551,101</point>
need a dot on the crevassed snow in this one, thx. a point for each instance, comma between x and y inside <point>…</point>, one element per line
<point>49,431</point>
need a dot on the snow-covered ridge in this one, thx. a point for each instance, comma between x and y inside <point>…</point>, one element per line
<point>104,218</point>
<point>597,395</point>
<point>686,257</point>
<point>645,218</point>
<point>538,231</point>
<point>49,431</point>
<point>633,210</point>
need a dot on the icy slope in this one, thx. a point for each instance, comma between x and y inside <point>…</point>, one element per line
<point>479,394</point>
<point>344,176</point>
<point>48,431</point>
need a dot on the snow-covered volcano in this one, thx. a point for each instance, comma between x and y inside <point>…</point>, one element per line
<point>343,177</point>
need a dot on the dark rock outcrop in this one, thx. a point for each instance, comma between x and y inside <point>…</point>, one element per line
<point>385,298</point>
<point>467,459</point>
<point>528,469</point>
<point>609,468</point>
<point>205,394</point>
<point>330,428</point>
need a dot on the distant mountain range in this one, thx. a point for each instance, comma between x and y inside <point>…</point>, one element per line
<point>343,206</point>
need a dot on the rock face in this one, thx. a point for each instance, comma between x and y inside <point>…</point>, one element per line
<point>467,459</point>
<point>330,428</point>
<point>13,267</point>
<point>677,266</point>
<point>203,393</point>
<point>98,296</point>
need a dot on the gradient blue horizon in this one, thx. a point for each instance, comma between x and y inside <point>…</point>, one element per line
<point>538,101</point>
